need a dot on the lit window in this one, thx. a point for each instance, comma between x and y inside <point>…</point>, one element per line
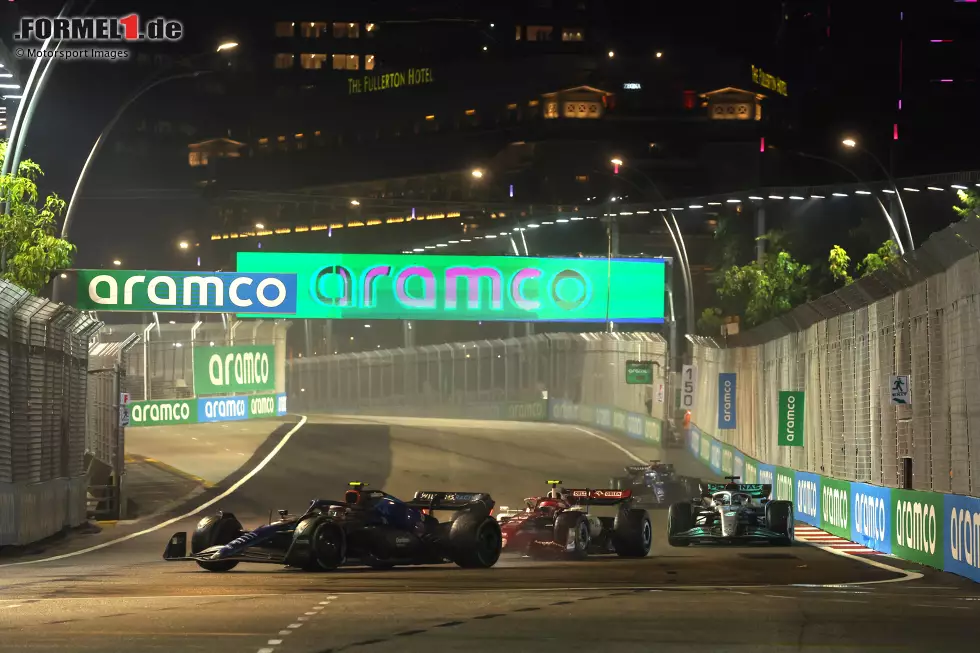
<point>285,28</point>
<point>345,61</point>
<point>284,60</point>
<point>371,29</point>
<point>539,32</point>
<point>517,32</point>
<point>281,139</point>
<point>581,178</point>
<point>312,61</point>
<point>369,62</point>
<point>194,159</point>
<point>346,30</point>
<point>313,30</point>
<point>572,34</point>
<point>263,141</point>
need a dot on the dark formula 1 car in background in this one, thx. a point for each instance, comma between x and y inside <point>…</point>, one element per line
<point>561,524</point>
<point>657,483</point>
<point>731,513</point>
<point>369,528</point>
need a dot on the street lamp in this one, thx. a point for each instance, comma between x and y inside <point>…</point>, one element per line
<point>611,54</point>
<point>259,225</point>
<point>116,262</point>
<point>228,45</point>
<point>477,173</point>
<point>616,163</point>
<point>355,203</point>
<point>853,144</point>
<point>184,244</point>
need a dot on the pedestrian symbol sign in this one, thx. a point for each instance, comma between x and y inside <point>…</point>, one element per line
<point>124,399</point>
<point>901,389</point>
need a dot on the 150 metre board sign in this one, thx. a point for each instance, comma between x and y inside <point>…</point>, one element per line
<point>227,370</point>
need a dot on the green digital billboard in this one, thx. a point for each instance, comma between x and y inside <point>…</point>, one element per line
<point>467,288</point>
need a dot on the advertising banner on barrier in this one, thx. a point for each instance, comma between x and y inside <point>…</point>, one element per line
<point>653,430</point>
<point>962,528</point>
<point>162,413</point>
<point>238,369</point>
<point>918,526</point>
<point>222,409</point>
<point>715,462</point>
<point>807,498</point>
<point>603,418</point>
<point>705,453</point>
<point>738,465</point>
<point>727,461</point>
<point>694,441</point>
<point>563,411</point>
<point>726,401</point>
<point>766,475</point>
<point>751,471</point>
<point>782,489</point>
<point>635,425</point>
<point>467,288</point>
<point>835,500</point>
<point>871,517</point>
<point>790,433</point>
<point>619,421</point>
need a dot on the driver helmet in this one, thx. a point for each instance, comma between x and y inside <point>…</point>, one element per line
<point>548,506</point>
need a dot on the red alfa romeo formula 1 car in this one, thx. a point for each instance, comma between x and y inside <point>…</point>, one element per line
<point>561,524</point>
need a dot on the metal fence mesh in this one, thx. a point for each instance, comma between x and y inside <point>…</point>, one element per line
<point>161,366</point>
<point>43,387</point>
<point>918,319</point>
<point>586,368</point>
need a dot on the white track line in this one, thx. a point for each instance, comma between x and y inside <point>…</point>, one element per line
<point>258,468</point>
<point>626,451</point>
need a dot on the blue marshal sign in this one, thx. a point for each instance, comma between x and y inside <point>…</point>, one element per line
<point>726,401</point>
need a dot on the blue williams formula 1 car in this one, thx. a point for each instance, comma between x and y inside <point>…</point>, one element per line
<point>370,528</point>
<point>731,513</point>
<point>657,483</point>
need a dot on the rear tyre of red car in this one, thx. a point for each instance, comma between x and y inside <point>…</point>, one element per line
<point>633,533</point>
<point>475,541</point>
<point>216,530</point>
<point>572,530</point>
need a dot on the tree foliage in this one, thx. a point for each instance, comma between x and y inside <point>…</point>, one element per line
<point>767,288</point>
<point>969,204</point>
<point>840,261</point>
<point>30,250</point>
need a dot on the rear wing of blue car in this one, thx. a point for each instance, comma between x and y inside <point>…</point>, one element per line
<point>450,500</point>
<point>754,490</point>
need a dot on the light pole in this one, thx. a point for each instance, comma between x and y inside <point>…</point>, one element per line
<point>853,144</point>
<point>676,236</point>
<point>884,211</point>
<point>100,141</point>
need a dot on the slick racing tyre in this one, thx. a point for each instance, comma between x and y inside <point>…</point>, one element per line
<point>680,519</point>
<point>633,533</point>
<point>475,541</point>
<point>216,530</point>
<point>572,533</point>
<point>328,547</point>
<point>779,518</point>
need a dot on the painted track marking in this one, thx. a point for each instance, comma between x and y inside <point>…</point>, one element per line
<point>272,643</point>
<point>608,441</point>
<point>224,495</point>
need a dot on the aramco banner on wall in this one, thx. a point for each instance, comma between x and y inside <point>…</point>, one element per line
<point>186,292</point>
<point>226,370</point>
<point>466,288</point>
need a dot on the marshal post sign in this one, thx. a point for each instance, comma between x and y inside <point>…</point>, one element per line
<point>231,370</point>
<point>186,292</point>
<point>466,288</point>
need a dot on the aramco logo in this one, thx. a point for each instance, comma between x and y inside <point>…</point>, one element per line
<point>418,287</point>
